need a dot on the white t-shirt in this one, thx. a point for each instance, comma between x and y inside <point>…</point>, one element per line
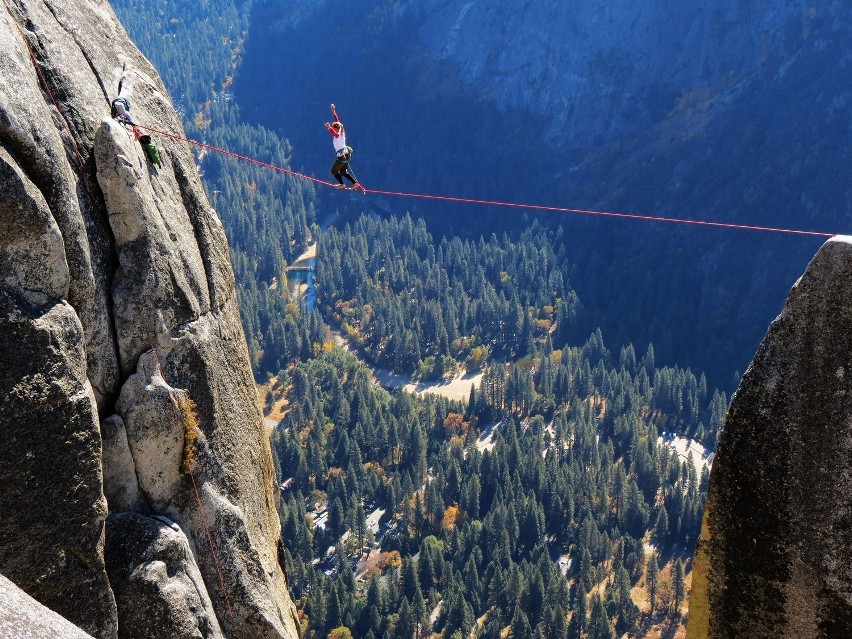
<point>339,142</point>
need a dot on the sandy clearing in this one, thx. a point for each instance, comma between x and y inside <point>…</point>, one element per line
<point>683,446</point>
<point>457,388</point>
<point>305,257</point>
<point>486,437</point>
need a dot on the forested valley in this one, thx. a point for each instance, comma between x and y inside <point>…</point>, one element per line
<point>548,504</point>
<point>542,503</point>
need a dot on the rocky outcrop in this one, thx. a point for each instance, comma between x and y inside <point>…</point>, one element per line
<point>117,299</point>
<point>23,617</point>
<point>51,496</point>
<point>775,555</point>
<point>121,485</point>
<point>151,563</point>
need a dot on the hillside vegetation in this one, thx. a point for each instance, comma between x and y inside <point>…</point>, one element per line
<point>546,505</point>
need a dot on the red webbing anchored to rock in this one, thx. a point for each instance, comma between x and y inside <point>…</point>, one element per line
<point>465,200</point>
<point>245,158</point>
<point>200,504</point>
<point>46,86</point>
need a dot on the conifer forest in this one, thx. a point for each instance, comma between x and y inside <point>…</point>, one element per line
<point>550,502</point>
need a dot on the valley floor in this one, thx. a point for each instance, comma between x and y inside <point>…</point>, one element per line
<point>457,388</point>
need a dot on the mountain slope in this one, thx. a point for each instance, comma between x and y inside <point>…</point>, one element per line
<point>728,111</point>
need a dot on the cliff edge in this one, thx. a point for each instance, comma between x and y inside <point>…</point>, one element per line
<point>119,329</point>
<point>775,555</point>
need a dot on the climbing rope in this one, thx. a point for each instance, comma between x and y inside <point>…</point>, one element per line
<point>46,86</point>
<point>198,499</point>
<point>465,200</point>
<point>234,155</point>
<point>632,216</point>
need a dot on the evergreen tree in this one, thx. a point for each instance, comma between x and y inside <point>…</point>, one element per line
<point>661,528</point>
<point>653,580</point>
<point>406,625</point>
<point>520,627</point>
<point>628,612</point>
<point>581,613</point>
<point>336,518</point>
<point>420,615</point>
<point>678,586</point>
<point>410,583</point>
<point>599,625</point>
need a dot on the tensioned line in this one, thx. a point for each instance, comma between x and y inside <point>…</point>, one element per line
<point>536,207</point>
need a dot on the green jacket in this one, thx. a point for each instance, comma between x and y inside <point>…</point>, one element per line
<point>151,151</point>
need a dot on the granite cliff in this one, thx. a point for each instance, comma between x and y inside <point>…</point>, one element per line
<point>118,327</point>
<point>775,555</point>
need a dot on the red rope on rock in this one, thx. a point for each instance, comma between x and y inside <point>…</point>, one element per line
<point>198,500</point>
<point>47,87</point>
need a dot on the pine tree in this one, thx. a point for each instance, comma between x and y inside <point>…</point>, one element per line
<point>679,586</point>
<point>360,524</point>
<point>581,612</point>
<point>421,615</point>
<point>627,610</point>
<point>661,528</point>
<point>653,580</point>
<point>336,518</point>
<point>599,626</point>
<point>520,627</point>
<point>406,625</point>
<point>372,607</point>
<point>410,583</point>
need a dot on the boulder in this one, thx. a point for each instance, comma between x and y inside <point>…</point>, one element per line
<point>52,506</point>
<point>158,587</point>
<point>121,487</point>
<point>154,434</point>
<point>32,254</point>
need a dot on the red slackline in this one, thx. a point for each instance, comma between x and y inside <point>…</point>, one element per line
<point>537,207</point>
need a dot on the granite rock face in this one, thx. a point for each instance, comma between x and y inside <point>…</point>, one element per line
<point>117,299</point>
<point>52,506</point>
<point>775,556</point>
<point>23,617</point>
<point>150,562</point>
<point>576,61</point>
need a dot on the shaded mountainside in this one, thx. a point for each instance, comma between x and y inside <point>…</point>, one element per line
<point>774,556</point>
<point>119,328</point>
<point>733,111</point>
